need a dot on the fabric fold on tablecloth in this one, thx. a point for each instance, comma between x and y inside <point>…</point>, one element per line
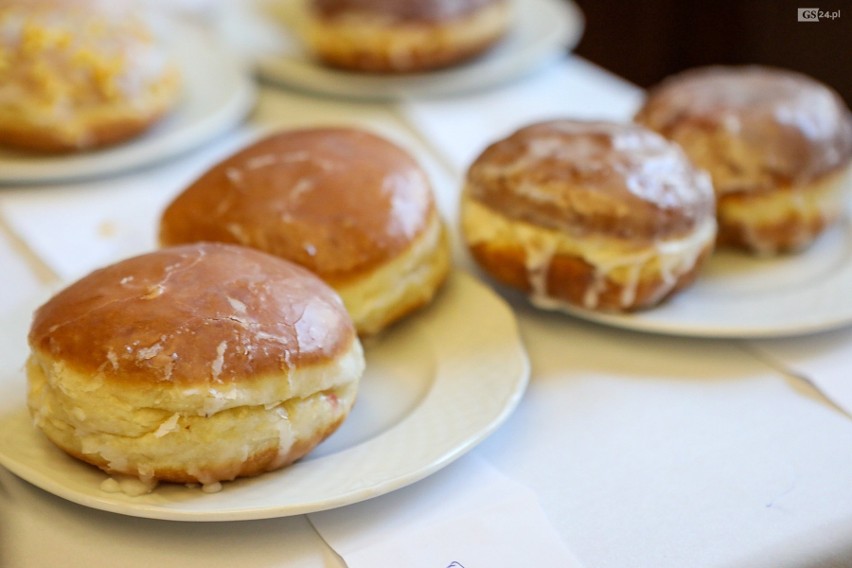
<point>466,515</point>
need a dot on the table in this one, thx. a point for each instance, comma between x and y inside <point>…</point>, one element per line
<point>643,450</point>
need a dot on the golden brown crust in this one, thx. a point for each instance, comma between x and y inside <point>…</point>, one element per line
<point>199,363</point>
<point>775,143</point>
<point>37,139</point>
<point>338,201</point>
<point>603,216</point>
<point>592,178</point>
<point>204,315</point>
<point>569,279</point>
<point>785,236</point>
<point>784,220</point>
<point>417,60</point>
<point>753,127</point>
<point>419,11</point>
<point>403,37</point>
<point>79,75</point>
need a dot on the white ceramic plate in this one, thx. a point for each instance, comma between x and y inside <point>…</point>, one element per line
<point>543,30</point>
<point>435,386</point>
<point>217,95</point>
<point>738,296</point>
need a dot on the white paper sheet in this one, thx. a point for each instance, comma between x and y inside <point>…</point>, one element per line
<point>825,360</point>
<point>465,516</point>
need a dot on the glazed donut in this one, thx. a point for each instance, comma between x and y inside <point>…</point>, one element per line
<point>79,74</point>
<point>389,36</point>
<point>777,144</point>
<point>593,215</point>
<point>199,363</point>
<point>350,206</point>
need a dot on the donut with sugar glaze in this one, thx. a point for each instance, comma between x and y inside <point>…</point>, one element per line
<point>193,364</point>
<point>597,215</point>
<point>349,205</point>
<point>778,145</point>
<point>390,36</point>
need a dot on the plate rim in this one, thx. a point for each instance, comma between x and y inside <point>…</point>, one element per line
<point>476,75</point>
<point>654,320</point>
<point>161,143</point>
<point>514,386</point>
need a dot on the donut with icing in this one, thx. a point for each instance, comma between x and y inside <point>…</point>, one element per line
<point>593,215</point>
<point>778,145</point>
<point>193,364</point>
<point>388,36</point>
<point>349,205</point>
<point>80,75</point>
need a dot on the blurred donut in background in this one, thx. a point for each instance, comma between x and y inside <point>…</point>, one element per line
<point>80,74</point>
<point>597,215</point>
<point>778,145</point>
<point>389,36</point>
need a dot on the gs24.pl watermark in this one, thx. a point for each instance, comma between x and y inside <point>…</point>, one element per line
<point>815,14</point>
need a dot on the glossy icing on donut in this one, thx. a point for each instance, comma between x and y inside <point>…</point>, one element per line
<point>339,201</point>
<point>206,314</point>
<point>777,127</point>
<point>587,177</point>
<point>593,214</point>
